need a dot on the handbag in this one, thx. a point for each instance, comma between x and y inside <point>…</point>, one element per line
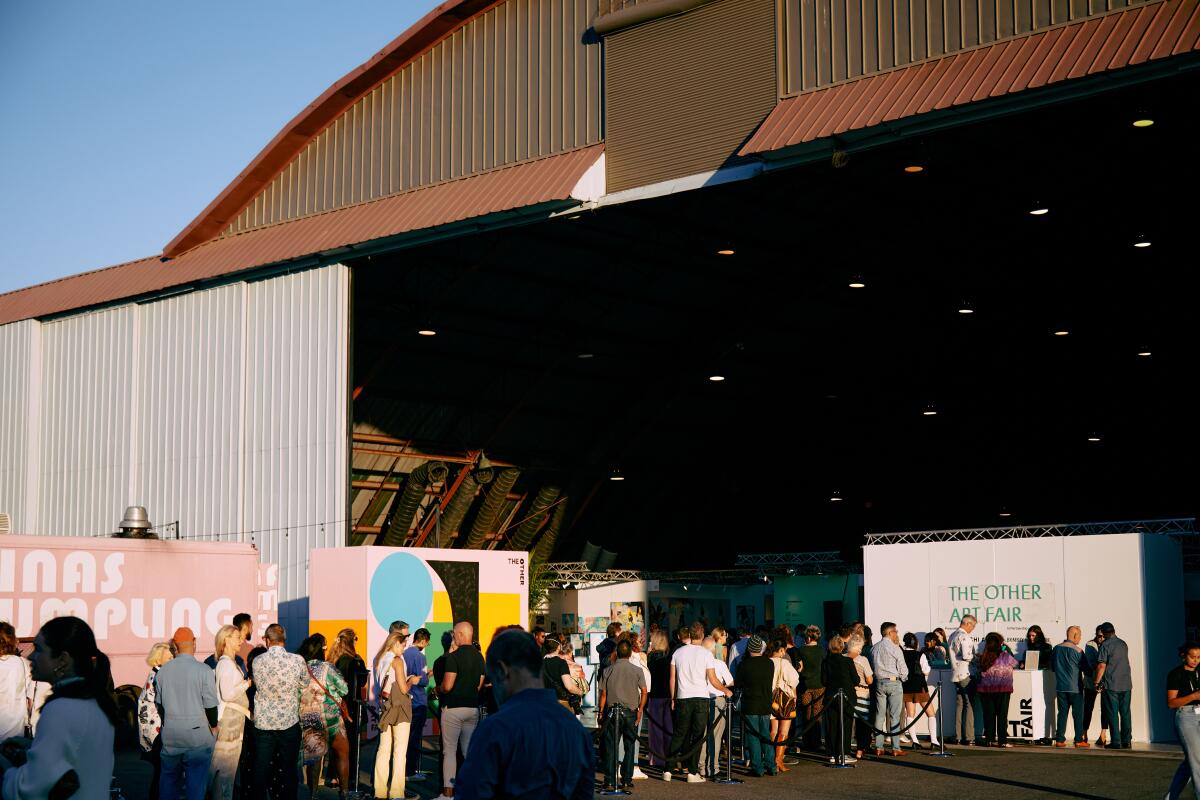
<point>341,701</point>
<point>783,702</point>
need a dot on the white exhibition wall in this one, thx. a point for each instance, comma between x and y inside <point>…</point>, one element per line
<point>1133,580</point>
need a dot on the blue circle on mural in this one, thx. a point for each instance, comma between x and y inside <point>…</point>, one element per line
<point>401,588</point>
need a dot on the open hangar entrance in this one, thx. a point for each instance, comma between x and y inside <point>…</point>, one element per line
<point>998,365</point>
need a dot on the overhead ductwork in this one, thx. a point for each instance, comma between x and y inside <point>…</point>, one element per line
<point>591,554</point>
<point>535,518</point>
<point>492,506</point>
<point>605,561</point>
<point>410,500</point>
<point>544,549</point>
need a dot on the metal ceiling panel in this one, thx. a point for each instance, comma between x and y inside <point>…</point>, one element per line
<point>1112,41</point>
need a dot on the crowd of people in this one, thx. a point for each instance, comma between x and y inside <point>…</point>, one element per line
<point>249,720</point>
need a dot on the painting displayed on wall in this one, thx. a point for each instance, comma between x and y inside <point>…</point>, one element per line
<point>658,616</point>
<point>577,647</point>
<point>679,611</point>
<point>745,618</point>
<point>632,618</point>
<point>568,623</point>
<point>595,624</point>
<point>595,639</point>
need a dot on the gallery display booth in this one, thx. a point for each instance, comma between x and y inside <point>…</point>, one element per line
<point>1133,580</point>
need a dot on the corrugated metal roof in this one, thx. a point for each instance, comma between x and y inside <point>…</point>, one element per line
<point>1120,39</point>
<point>512,187</point>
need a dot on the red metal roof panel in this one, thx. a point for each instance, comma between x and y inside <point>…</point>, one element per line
<point>504,189</point>
<point>1111,41</point>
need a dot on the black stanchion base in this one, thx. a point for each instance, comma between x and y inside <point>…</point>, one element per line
<point>839,765</point>
<point>936,754</point>
<point>612,793</point>
<point>726,781</point>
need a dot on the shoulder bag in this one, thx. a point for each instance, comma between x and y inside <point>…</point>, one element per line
<point>341,703</point>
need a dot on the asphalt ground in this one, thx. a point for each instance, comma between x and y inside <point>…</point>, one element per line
<point>1021,772</point>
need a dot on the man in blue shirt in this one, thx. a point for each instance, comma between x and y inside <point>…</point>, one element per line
<point>186,696</point>
<point>532,748</point>
<point>416,666</point>
<point>890,673</point>
<point>1067,659</point>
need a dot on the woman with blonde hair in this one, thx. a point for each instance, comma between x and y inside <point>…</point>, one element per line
<point>395,716</point>
<point>233,709</point>
<point>14,683</point>
<point>658,706</point>
<point>345,659</point>
<point>149,723</point>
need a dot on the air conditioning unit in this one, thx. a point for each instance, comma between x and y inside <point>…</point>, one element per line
<point>5,523</point>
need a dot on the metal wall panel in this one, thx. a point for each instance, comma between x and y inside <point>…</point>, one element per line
<point>515,83</point>
<point>88,387</point>
<point>828,41</point>
<point>224,409</point>
<point>683,93</point>
<point>297,436</point>
<point>19,388</point>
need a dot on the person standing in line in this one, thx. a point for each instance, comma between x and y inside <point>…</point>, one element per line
<point>638,659</point>
<point>1114,679</point>
<point>964,666</point>
<point>1091,660</point>
<point>692,674</point>
<point>245,625</point>
<point>321,724</point>
<point>658,706</point>
<point>623,696</point>
<point>1068,658</point>
<point>916,692</point>
<point>556,673</point>
<point>606,649</point>
<point>149,723</point>
<point>862,693</point>
<point>786,678</point>
<point>14,686</point>
<point>1183,697</point>
<point>737,650</point>
<point>935,652</point>
<point>891,672</point>
<point>417,667</point>
<point>71,754</point>
<point>233,709</point>
<point>811,658</point>
<point>186,696</point>
<point>721,641</point>
<point>459,693</point>
<point>710,751</point>
<point>531,747</point>
<point>839,674</point>
<point>996,667</point>
<point>755,677</point>
<point>395,717</point>
<point>279,678</point>
<point>349,664</point>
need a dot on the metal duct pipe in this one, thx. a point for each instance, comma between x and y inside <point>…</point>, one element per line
<point>591,554</point>
<point>545,546</point>
<point>605,561</point>
<point>493,504</point>
<point>456,509</point>
<point>410,499</point>
<point>534,519</point>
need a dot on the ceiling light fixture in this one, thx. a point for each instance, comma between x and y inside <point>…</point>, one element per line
<point>427,332</point>
<point>1143,121</point>
<point>1038,209</point>
<point>965,307</point>
<point>726,252</point>
<point>1141,241</point>
<point>1144,353</point>
<point>1093,437</point>
<point>913,169</point>
<point>929,411</point>
<point>1062,333</point>
<point>716,378</point>
<point>616,475</point>
<point>586,355</point>
<point>836,497</point>
<point>857,282</point>
<point>1004,513</point>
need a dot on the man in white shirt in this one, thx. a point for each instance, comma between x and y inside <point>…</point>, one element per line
<point>963,652</point>
<point>710,751</point>
<point>692,674</point>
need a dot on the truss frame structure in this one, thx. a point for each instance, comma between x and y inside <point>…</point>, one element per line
<point>748,570</point>
<point>1184,526</point>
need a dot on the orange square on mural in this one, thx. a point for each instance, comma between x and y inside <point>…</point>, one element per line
<point>329,628</point>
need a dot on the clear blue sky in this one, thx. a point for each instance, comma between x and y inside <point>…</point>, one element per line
<point>122,120</point>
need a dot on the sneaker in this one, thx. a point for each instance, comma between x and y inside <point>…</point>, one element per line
<point>1060,744</point>
<point>638,775</point>
<point>851,760</point>
<point>694,778</point>
<point>666,775</point>
<point>898,753</point>
<point>1084,743</point>
<point>832,760</point>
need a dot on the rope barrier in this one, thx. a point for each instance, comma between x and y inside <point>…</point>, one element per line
<point>917,718</point>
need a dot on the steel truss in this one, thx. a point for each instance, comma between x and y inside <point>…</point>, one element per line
<point>749,569</point>
<point>1185,526</point>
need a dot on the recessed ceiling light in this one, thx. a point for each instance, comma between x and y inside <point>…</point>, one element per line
<point>1093,437</point>
<point>427,332</point>
<point>1038,209</point>
<point>836,497</point>
<point>857,282</point>
<point>1005,514</point>
<point>616,475</point>
<point>1141,241</point>
<point>913,169</point>
<point>965,308</point>
<point>1143,122</point>
<point>716,378</point>
<point>929,411</point>
<point>725,252</point>
<point>1062,333</point>
<point>1144,353</point>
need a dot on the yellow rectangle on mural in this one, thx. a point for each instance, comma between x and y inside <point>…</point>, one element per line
<point>497,609</point>
<point>441,608</point>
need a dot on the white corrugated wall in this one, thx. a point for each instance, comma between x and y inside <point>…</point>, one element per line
<point>224,409</point>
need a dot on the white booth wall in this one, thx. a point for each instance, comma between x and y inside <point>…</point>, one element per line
<point>1133,580</point>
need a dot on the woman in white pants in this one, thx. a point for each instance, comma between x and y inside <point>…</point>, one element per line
<point>395,717</point>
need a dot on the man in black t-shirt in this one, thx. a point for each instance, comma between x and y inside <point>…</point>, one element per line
<point>459,692</point>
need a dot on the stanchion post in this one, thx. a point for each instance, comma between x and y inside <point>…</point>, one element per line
<point>729,779</point>
<point>941,753</point>
<point>839,761</point>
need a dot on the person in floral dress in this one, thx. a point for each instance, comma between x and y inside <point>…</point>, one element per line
<point>321,727</point>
